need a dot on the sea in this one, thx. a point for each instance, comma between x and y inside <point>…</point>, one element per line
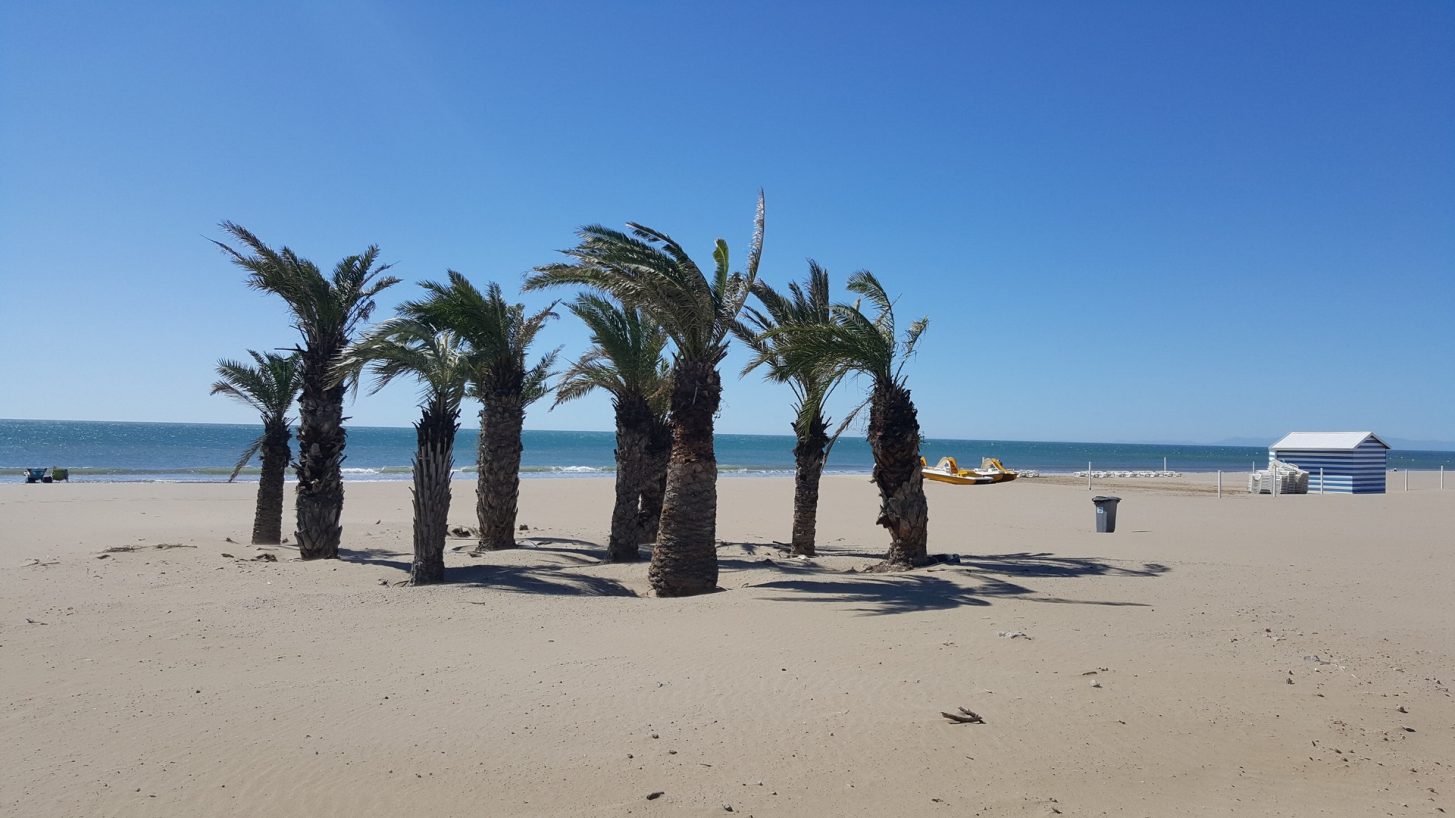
<point>203,452</point>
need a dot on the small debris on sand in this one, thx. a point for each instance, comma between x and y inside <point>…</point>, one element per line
<point>1013,635</point>
<point>127,549</point>
<point>265,558</point>
<point>964,716</point>
<point>652,796</point>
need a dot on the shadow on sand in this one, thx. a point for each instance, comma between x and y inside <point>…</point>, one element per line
<point>973,581</point>
<point>546,580</point>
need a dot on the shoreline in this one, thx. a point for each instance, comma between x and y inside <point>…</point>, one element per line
<point>1233,481</point>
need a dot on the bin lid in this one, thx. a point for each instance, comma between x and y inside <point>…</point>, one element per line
<point>1101,499</point>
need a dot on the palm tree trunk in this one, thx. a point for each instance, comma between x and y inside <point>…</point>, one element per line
<point>498,494</point>
<point>435,433</point>
<point>321,438</point>
<point>903,510</point>
<point>633,440</point>
<point>268,519</point>
<point>654,481</point>
<point>809,454</point>
<point>684,562</point>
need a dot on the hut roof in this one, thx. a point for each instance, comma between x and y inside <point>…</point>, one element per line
<point>1325,441</point>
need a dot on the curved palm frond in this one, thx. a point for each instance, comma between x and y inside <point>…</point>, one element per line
<point>806,304</point>
<point>324,309</point>
<point>407,347</point>
<point>252,449</point>
<point>849,341</point>
<point>497,334</point>
<point>536,384</point>
<point>269,385</point>
<point>626,356</point>
<point>646,270</point>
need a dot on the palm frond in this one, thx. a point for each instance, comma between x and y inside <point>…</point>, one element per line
<point>247,455</point>
<point>325,310</point>
<point>646,270</point>
<point>847,422</point>
<point>495,333</point>
<point>435,357</point>
<point>839,338</point>
<point>269,385</point>
<point>911,339</point>
<point>536,384</point>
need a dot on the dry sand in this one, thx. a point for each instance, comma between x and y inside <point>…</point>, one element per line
<point>1162,671</point>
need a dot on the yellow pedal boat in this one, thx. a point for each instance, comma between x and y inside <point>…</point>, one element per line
<point>948,471</point>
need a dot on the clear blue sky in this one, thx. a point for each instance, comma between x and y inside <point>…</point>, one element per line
<point>1122,219</point>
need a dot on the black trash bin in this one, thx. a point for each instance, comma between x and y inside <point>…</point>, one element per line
<point>1106,513</point>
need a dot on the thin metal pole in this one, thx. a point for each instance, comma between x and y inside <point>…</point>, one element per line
<point>1321,479</point>
<point>1442,478</point>
<point>1088,475</point>
<point>1164,464</point>
<point>1406,479</point>
<point>1220,483</point>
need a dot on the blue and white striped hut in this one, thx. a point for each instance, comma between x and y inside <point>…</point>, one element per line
<point>1352,462</point>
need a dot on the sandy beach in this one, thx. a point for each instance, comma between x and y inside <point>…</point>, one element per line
<point>1233,656</point>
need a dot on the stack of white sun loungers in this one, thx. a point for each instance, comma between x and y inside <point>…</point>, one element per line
<point>1290,479</point>
<point>1110,474</point>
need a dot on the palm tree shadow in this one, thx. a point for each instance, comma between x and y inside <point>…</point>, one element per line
<point>1044,564</point>
<point>548,580</point>
<point>375,556</point>
<point>879,594</point>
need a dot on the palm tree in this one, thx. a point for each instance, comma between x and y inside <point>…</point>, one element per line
<point>269,385</point>
<point>806,304</point>
<point>625,362</point>
<point>647,270</point>
<point>496,335</point>
<point>854,342</point>
<point>325,312</point>
<point>435,358</point>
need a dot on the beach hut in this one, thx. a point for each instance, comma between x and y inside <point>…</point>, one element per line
<point>1349,462</point>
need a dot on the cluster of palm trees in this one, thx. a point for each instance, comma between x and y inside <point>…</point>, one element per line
<point>660,327</point>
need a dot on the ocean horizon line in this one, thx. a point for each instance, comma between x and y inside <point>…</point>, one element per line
<point>126,451</point>
<point>1236,442</point>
